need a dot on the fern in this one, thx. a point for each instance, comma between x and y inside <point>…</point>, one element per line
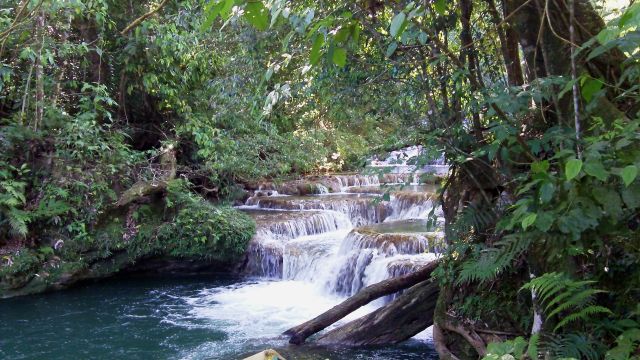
<point>12,196</point>
<point>571,346</point>
<point>560,294</point>
<point>532,348</point>
<point>18,220</point>
<point>474,217</point>
<point>493,261</point>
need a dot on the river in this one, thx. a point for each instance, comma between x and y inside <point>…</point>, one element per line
<point>309,254</point>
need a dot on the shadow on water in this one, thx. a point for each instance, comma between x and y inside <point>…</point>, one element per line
<point>149,318</point>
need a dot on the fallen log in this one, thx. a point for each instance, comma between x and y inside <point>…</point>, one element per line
<point>300,333</point>
<point>393,323</point>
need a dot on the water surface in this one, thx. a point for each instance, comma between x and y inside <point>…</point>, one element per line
<point>175,318</point>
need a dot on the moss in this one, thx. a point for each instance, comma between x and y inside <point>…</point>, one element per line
<point>25,261</point>
<point>180,225</point>
<point>196,229</point>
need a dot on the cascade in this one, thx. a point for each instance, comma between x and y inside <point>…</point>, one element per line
<point>360,208</point>
<point>411,205</point>
<point>341,242</point>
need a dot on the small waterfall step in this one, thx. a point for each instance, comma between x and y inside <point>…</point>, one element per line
<point>396,237</point>
<point>285,224</point>
<point>264,256</point>
<point>392,188</point>
<point>336,183</point>
<point>360,208</point>
<point>373,253</point>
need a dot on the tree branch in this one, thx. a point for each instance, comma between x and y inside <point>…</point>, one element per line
<point>142,18</point>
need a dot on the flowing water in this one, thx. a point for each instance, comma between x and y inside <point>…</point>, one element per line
<point>308,254</point>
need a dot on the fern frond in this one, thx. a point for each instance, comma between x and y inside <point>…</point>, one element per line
<point>495,260</point>
<point>559,294</point>
<point>474,217</point>
<point>582,315</point>
<point>578,299</point>
<point>18,220</point>
<point>546,285</point>
<point>532,348</point>
<point>575,346</point>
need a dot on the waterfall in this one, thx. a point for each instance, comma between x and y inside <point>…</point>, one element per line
<point>412,205</point>
<point>342,242</point>
<point>361,210</point>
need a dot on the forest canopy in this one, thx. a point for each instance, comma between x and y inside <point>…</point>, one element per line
<point>533,104</point>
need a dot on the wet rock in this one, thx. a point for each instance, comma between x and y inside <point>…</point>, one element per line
<point>269,354</point>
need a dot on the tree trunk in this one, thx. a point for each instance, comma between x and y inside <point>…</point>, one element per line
<point>395,322</point>
<point>300,333</point>
<point>508,46</point>
<point>468,53</point>
<point>39,74</point>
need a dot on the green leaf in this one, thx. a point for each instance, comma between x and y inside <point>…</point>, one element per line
<point>630,197</point>
<point>568,86</point>
<point>225,12</point>
<point>529,220</point>
<point>342,34</point>
<point>212,10</point>
<point>595,169</point>
<point>440,6</point>
<point>546,192</point>
<point>391,49</point>
<point>339,56</point>
<point>544,221</point>
<point>590,87</point>
<point>540,166</point>
<point>609,199</point>
<point>572,168</point>
<point>628,174</point>
<point>630,17</point>
<point>396,24</point>
<point>257,14</point>
<point>532,349</point>
<point>607,34</point>
<point>314,55</point>
<point>355,32</point>
<point>422,38</point>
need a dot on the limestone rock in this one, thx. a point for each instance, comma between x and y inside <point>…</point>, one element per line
<point>269,354</point>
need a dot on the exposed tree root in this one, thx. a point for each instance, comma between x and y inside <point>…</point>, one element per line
<point>469,334</point>
<point>440,343</point>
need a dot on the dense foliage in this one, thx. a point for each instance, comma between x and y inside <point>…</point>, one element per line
<point>534,104</point>
<point>542,196</point>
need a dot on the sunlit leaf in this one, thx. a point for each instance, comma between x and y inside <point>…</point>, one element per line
<point>440,6</point>
<point>257,15</point>
<point>572,168</point>
<point>339,56</point>
<point>590,87</point>
<point>315,53</point>
<point>529,220</point>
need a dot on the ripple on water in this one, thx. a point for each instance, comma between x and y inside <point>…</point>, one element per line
<point>174,318</point>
